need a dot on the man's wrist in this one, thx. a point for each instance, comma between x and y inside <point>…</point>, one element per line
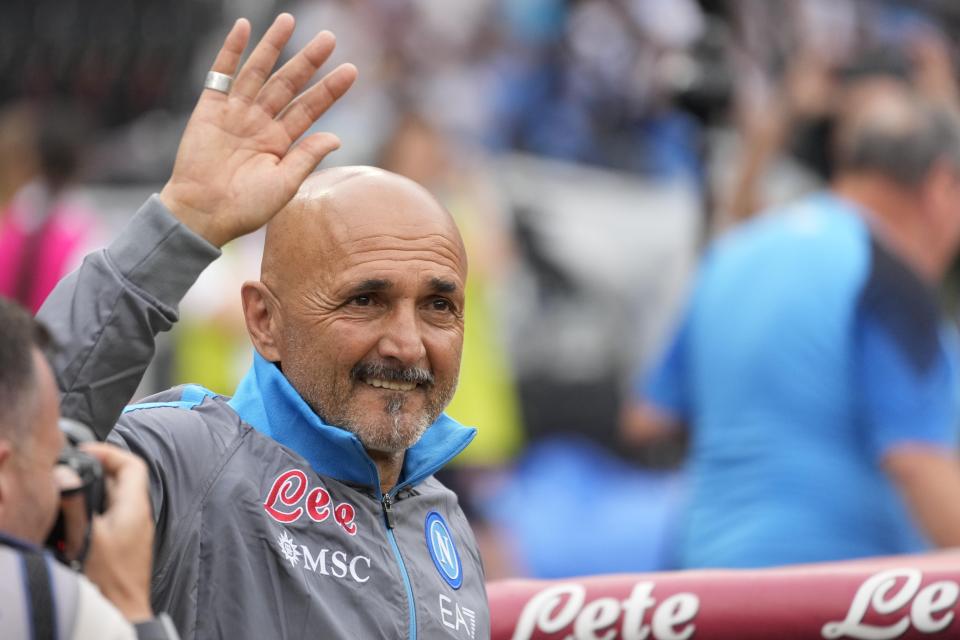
<point>192,218</point>
<point>158,628</point>
<point>135,613</point>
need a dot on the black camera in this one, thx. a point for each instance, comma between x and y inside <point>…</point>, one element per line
<point>82,495</point>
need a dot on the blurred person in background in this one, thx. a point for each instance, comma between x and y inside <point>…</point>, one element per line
<point>45,229</point>
<point>784,114</point>
<point>812,368</point>
<point>18,150</point>
<point>306,503</point>
<point>39,597</point>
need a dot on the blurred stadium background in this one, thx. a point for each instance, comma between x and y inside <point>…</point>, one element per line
<point>588,148</point>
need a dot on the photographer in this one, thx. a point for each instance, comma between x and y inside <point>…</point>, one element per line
<point>39,598</point>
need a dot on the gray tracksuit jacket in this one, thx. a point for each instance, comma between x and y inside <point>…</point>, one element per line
<point>270,524</point>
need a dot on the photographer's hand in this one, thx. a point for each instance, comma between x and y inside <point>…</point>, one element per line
<point>121,546</point>
<point>237,164</point>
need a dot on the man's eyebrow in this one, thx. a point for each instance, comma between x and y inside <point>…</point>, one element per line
<point>439,285</point>
<point>372,285</point>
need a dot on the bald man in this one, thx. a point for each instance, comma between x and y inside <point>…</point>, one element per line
<point>813,369</point>
<point>305,505</point>
<point>367,322</point>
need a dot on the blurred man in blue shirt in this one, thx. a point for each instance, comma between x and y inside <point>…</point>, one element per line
<point>812,365</point>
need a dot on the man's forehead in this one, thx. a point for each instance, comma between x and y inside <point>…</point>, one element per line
<point>46,412</point>
<point>352,215</point>
<point>358,211</point>
<point>386,226</point>
<point>371,220</point>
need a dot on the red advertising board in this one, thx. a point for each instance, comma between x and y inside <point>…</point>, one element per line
<point>880,599</point>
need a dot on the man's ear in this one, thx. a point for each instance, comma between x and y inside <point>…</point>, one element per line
<point>939,193</point>
<point>261,312</point>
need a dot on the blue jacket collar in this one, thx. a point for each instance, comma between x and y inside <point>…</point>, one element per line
<point>332,451</point>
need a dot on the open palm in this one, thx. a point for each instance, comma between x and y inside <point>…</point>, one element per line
<point>237,164</point>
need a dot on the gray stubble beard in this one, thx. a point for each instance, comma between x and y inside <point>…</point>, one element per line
<point>392,442</point>
<point>396,439</point>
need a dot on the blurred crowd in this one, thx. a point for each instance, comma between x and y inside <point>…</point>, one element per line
<point>589,150</point>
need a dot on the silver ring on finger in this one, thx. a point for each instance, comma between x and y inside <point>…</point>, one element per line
<point>218,82</point>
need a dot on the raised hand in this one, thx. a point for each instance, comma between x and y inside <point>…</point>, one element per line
<point>237,164</point>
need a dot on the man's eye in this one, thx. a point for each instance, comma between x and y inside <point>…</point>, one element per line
<point>362,301</point>
<point>440,304</point>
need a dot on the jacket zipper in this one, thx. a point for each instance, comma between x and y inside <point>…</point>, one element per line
<point>386,502</point>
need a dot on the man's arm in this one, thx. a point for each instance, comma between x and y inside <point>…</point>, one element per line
<point>238,164</point>
<point>908,394</point>
<point>642,423</point>
<point>120,558</point>
<point>657,406</point>
<point>929,480</point>
<point>103,317</point>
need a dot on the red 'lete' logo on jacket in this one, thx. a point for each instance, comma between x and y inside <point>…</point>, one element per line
<point>283,502</point>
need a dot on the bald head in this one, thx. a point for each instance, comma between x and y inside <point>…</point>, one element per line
<point>334,211</point>
<point>886,128</point>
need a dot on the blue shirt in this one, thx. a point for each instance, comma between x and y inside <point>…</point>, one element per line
<point>807,352</point>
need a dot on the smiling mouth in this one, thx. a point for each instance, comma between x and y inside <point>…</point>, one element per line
<point>392,378</point>
<point>391,385</point>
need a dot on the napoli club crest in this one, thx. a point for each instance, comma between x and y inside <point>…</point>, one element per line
<point>442,550</point>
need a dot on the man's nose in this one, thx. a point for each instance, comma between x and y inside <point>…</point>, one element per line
<point>401,339</point>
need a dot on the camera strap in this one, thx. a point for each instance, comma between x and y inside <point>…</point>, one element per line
<point>43,615</point>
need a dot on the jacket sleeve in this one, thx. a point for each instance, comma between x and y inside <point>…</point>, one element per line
<point>105,316</point>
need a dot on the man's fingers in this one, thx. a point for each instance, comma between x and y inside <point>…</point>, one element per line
<point>113,458</point>
<point>307,154</point>
<point>258,66</point>
<point>314,102</point>
<point>128,470</point>
<point>292,76</point>
<point>233,45</point>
